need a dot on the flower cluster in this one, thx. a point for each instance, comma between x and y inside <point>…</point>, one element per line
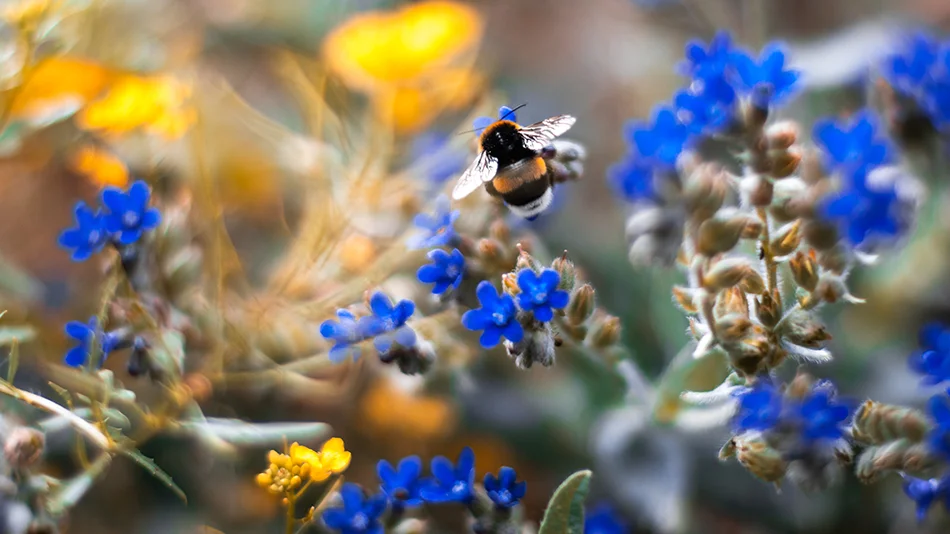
<point>287,473</point>
<point>126,217</point>
<point>386,325</point>
<point>87,334</point>
<point>920,70</point>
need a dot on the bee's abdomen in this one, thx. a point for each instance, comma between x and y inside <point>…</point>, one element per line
<point>518,174</point>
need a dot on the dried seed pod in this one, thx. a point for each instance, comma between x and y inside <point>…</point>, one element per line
<point>876,423</point>
<point>805,270</point>
<point>767,308</point>
<point>760,459</point>
<point>23,447</point>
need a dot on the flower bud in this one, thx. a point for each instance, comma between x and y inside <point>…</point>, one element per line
<point>731,272</point>
<point>784,163</point>
<point>684,298</point>
<point>537,346</point>
<point>802,328</point>
<point>805,270</point>
<point>526,261</point>
<point>757,189</point>
<point>760,459</point>
<point>748,355</point>
<point>717,236</point>
<point>767,308</point>
<point>581,305</point>
<point>509,284</point>
<point>705,191</point>
<point>812,170</point>
<point>786,239</point>
<point>877,460</point>
<point>800,386</point>
<point>831,288</point>
<point>732,328</point>
<point>490,251</point>
<point>566,270</point>
<point>820,235</point>
<point>876,423</point>
<point>604,331</point>
<point>499,231</point>
<point>23,447</point>
<point>731,301</point>
<point>834,259</point>
<point>782,134</point>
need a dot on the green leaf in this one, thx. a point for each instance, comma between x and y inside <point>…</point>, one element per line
<point>14,362</point>
<point>69,493</point>
<point>686,373</point>
<point>565,511</point>
<point>156,471</point>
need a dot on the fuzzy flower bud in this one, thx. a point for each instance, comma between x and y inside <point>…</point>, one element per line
<point>537,346</point>
<point>786,239</point>
<point>566,270</point>
<point>802,328</point>
<point>499,231</point>
<point>581,306</point>
<point>705,191</point>
<point>491,252</point>
<point>805,270</point>
<point>757,190</point>
<point>685,298</point>
<point>876,423</point>
<point>731,301</point>
<point>782,134</point>
<point>820,235</point>
<point>604,331</point>
<point>720,235</point>
<point>732,328</point>
<point>730,272</point>
<point>831,288</point>
<point>760,459</point>
<point>784,163</point>
<point>767,309</point>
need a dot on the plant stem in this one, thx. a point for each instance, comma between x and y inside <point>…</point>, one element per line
<point>291,520</point>
<point>84,427</point>
<point>771,267</point>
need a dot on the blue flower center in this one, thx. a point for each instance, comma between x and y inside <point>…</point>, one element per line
<point>459,487</point>
<point>360,521</point>
<point>131,218</point>
<point>499,318</point>
<point>503,496</point>
<point>452,272</point>
<point>94,237</point>
<point>540,296</point>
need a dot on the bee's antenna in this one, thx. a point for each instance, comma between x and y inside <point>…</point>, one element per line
<point>510,112</point>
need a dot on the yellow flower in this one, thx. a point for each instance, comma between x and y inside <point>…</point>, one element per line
<point>413,62</point>
<point>100,166</point>
<point>301,455</point>
<point>334,457</point>
<point>58,87</point>
<point>390,412</point>
<point>287,472</point>
<point>156,104</point>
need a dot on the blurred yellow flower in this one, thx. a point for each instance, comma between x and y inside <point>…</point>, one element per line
<point>59,86</point>
<point>389,411</point>
<point>154,103</point>
<point>333,458</point>
<point>100,166</point>
<point>27,14</point>
<point>413,62</point>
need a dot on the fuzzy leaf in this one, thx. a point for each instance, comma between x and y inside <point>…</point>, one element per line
<point>565,511</point>
<point>21,334</point>
<point>686,373</point>
<point>258,435</point>
<point>70,492</point>
<point>156,471</point>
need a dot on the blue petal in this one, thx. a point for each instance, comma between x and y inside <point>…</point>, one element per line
<point>513,331</point>
<point>490,337</point>
<point>115,200</point>
<point>442,470</point>
<point>476,319</point>
<point>76,356</point>
<point>480,123</point>
<point>352,496</point>
<point>138,196</point>
<point>381,305</point>
<point>541,313</point>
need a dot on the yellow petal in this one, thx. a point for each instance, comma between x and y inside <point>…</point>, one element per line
<point>58,83</point>
<point>101,167</point>
<point>336,462</point>
<point>333,445</point>
<point>319,475</point>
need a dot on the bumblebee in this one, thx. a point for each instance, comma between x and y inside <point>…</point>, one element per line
<point>511,164</point>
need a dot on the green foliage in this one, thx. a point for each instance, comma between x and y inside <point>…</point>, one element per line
<point>565,511</point>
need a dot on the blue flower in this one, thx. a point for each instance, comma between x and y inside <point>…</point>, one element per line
<point>703,110</point>
<point>504,113</point>
<point>84,333</point>
<point>935,93</point>
<point>933,358</point>
<point>662,140</point>
<point>401,484</point>
<point>441,161</point>
<point>603,519</point>
<point>445,271</point>
<point>852,147</point>
<point>451,483</point>
<point>760,408</point>
<point>632,179</point>
<point>539,293</point>
<point>129,215</point>
<point>909,69</point>
<point>704,61</point>
<point>925,492</point>
<point>437,230</point>
<point>939,437</point>
<point>821,414</point>
<point>89,235</point>
<point>390,322</point>
<point>864,210</point>
<point>359,515</point>
<point>767,80</point>
<point>497,317</point>
<point>345,332</point>
<point>502,490</point>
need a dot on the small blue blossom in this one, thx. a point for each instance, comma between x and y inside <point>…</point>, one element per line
<point>359,515</point>
<point>504,113</point>
<point>909,69</point>
<point>662,140</point>
<point>933,359</point>
<point>129,214</point>
<point>345,332</point>
<point>441,161</point>
<point>767,79</point>
<point>632,179</point>
<point>852,147</point>
<point>935,94</point>
<point>84,333</point>
<point>89,235</point>
<point>704,61</point>
<point>864,210</point>
<point>939,437</point>
<point>497,317</point>
<point>502,490</point>
<point>925,492</point>
<point>821,414</point>
<point>704,111</point>
<point>603,519</point>
<point>451,483</point>
<point>436,229</point>
<point>539,293</point>
<point>760,408</point>
<point>445,271</point>
<point>390,322</point>
<point>401,484</point>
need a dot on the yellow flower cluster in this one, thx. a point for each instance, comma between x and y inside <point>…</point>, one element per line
<point>288,472</point>
<point>154,103</point>
<point>413,62</point>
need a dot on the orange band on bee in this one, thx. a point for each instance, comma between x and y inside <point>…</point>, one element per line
<point>507,180</point>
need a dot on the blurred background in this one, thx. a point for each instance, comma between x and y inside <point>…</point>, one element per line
<point>603,61</point>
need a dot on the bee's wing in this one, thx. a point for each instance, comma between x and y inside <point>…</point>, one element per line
<point>480,171</point>
<point>540,134</point>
